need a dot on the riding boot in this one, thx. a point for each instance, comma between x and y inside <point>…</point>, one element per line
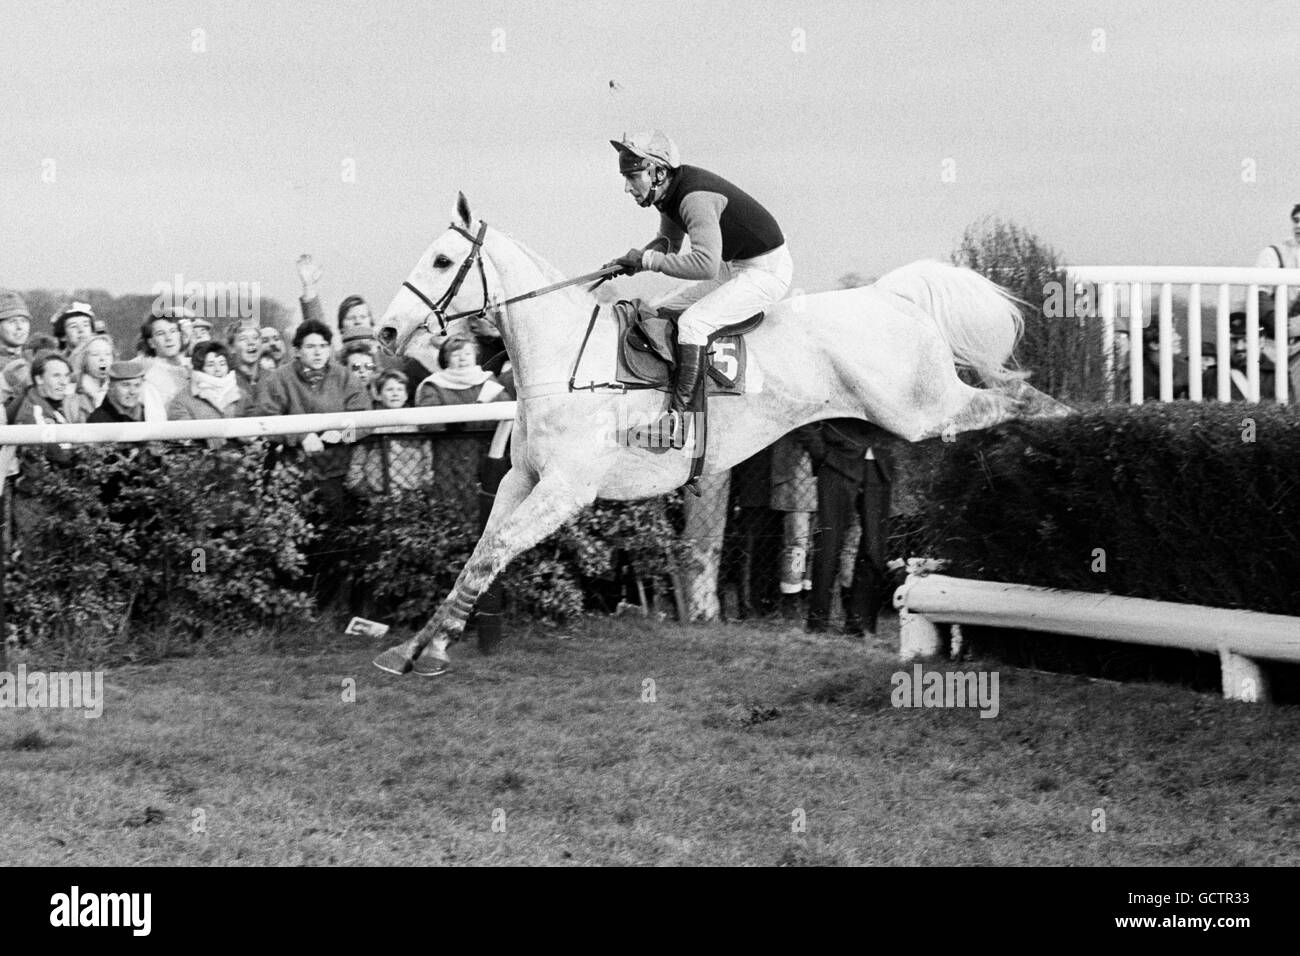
<point>685,401</point>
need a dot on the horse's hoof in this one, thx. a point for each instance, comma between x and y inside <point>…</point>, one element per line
<point>394,660</point>
<point>429,666</point>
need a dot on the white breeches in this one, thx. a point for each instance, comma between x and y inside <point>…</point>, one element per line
<point>740,289</point>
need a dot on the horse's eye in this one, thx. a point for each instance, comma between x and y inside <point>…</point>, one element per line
<point>442,262</point>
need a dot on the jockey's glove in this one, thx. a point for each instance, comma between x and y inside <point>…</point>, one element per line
<point>629,263</point>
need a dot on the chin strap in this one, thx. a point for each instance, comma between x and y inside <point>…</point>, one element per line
<point>656,189</point>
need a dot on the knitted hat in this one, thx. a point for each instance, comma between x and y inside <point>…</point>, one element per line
<point>12,306</point>
<point>202,323</point>
<point>126,369</point>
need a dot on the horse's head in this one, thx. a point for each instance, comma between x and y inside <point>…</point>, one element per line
<point>448,291</point>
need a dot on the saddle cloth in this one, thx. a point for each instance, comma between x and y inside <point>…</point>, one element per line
<point>647,350</point>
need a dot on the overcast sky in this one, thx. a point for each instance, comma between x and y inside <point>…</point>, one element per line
<point>1132,146</point>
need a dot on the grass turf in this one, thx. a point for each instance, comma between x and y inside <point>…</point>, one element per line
<point>553,752</point>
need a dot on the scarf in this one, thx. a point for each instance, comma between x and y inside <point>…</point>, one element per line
<point>458,378</point>
<point>94,388</point>
<point>220,393</point>
<point>312,378</point>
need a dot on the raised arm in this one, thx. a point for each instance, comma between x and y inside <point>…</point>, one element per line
<point>310,274</point>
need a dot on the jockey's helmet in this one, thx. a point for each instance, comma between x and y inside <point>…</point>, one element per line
<point>646,151</point>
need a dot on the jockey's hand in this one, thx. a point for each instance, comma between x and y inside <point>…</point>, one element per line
<point>630,262</point>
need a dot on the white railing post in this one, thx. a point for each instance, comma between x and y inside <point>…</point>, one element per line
<point>1108,338</point>
<point>1135,344</point>
<point>1249,280</point>
<point>1252,343</point>
<point>1194,346</point>
<point>1223,344</point>
<point>1166,342</point>
<point>1282,364</point>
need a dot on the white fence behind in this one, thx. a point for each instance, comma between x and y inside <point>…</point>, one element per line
<point>1135,281</point>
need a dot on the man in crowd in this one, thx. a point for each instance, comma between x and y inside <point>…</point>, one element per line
<point>854,474</point>
<point>73,325</point>
<point>15,327</point>
<point>245,350</point>
<point>167,374</point>
<point>123,402</point>
<point>1284,255</point>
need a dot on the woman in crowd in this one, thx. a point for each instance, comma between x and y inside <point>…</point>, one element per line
<point>213,393</point>
<point>90,362</point>
<point>460,381</point>
<point>213,390</point>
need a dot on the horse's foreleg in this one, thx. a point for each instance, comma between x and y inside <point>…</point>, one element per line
<point>542,510</point>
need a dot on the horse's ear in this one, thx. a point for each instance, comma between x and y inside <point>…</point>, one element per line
<point>462,209</point>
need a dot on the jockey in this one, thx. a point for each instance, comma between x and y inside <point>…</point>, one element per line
<point>737,251</point>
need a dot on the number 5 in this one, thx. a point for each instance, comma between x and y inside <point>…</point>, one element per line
<point>724,356</point>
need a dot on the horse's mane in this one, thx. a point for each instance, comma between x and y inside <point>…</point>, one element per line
<point>550,274</point>
<point>549,271</point>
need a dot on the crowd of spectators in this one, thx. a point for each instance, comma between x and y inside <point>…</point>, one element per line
<point>182,367</point>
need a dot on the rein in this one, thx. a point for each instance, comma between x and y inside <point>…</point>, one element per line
<point>476,257</point>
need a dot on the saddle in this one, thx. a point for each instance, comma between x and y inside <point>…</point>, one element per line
<point>647,350</point>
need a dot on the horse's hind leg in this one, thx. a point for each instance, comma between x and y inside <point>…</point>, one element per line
<point>993,406</point>
<point>543,509</point>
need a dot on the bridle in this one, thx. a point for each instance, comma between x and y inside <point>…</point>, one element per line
<point>476,257</point>
<point>436,308</point>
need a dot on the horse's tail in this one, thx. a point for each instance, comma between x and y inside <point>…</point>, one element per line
<point>978,319</point>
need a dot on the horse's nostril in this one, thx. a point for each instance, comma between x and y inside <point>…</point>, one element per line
<point>388,335</point>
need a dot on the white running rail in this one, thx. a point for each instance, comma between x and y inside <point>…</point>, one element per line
<point>1134,280</point>
<point>1240,638</point>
